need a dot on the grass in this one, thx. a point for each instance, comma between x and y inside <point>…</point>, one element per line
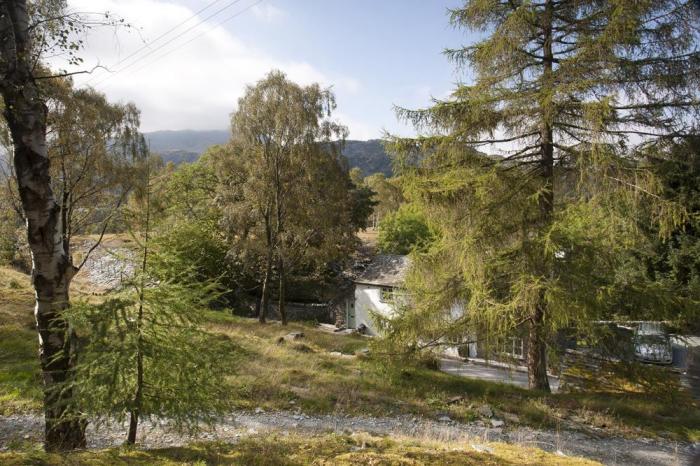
<point>321,373</point>
<point>19,366</point>
<point>271,375</point>
<point>273,450</point>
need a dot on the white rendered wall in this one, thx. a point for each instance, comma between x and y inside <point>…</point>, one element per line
<point>367,300</point>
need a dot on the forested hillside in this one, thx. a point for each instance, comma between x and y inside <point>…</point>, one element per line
<point>187,145</point>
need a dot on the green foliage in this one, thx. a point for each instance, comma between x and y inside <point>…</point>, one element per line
<point>181,382</point>
<point>388,195</point>
<point>288,204</point>
<point>94,152</point>
<point>363,203</point>
<point>188,224</point>
<point>404,231</point>
<point>539,234</point>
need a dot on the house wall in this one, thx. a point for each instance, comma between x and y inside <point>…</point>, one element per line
<point>367,300</point>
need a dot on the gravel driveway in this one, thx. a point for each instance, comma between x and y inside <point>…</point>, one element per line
<point>491,373</point>
<point>611,451</point>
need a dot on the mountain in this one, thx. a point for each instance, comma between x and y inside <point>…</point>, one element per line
<point>187,145</point>
<point>186,140</point>
<point>368,156</point>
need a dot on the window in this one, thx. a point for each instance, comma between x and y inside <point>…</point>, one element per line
<point>386,294</point>
<point>514,347</point>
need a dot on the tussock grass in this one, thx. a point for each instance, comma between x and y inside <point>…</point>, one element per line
<point>324,450</point>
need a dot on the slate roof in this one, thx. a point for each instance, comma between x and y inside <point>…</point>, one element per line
<point>384,270</point>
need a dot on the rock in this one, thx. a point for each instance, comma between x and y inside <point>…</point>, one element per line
<point>294,336</point>
<point>454,399</point>
<point>496,423</point>
<point>292,402</point>
<point>482,448</point>
<point>559,453</point>
<point>444,419</point>
<point>485,411</point>
<point>259,410</point>
<point>512,418</point>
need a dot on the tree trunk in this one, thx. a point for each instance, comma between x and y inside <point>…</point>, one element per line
<point>138,395</point>
<point>282,291</point>
<point>537,352</point>
<point>537,360</point>
<point>52,270</point>
<point>265,298</point>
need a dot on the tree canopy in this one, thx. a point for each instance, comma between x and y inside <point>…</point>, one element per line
<point>570,98</point>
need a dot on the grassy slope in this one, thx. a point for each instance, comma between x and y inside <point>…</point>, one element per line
<point>291,450</point>
<point>19,366</point>
<point>272,375</point>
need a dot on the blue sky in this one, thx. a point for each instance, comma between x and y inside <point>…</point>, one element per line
<point>375,54</point>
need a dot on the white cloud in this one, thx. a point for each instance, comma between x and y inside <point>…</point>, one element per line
<point>196,86</point>
<point>268,13</point>
<point>357,128</point>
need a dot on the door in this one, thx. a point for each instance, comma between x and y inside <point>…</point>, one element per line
<point>350,313</point>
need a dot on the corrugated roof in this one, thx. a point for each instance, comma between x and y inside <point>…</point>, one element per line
<point>384,270</point>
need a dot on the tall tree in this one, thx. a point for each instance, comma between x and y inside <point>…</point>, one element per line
<point>582,86</point>
<point>27,31</point>
<point>387,195</point>
<point>282,134</point>
<point>25,112</point>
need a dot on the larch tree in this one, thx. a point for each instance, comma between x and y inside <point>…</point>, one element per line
<point>280,132</point>
<point>568,97</point>
<point>142,348</point>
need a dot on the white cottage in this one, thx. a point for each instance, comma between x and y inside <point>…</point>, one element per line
<point>376,291</point>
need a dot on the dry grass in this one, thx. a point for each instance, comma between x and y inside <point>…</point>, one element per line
<point>311,375</point>
<point>278,450</point>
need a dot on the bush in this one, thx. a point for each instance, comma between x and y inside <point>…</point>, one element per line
<point>404,231</point>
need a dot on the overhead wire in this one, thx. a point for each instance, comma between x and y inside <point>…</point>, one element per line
<point>170,41</point>
<point>197,36</point>
<point>149,43</point>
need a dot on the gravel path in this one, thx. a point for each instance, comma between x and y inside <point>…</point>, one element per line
<point>611,451</point>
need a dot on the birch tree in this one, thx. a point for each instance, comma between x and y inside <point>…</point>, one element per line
<point>281,133</point>
<point>27,31</point>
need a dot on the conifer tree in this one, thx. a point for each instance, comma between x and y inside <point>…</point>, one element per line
<point>568,97</point>
<point>146,354</point>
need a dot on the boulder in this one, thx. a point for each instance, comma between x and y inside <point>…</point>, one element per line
<point>484,411</point>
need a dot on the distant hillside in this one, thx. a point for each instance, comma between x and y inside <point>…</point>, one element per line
<point>368,156</point>
<point>186,140</point>
<point>187,145</point>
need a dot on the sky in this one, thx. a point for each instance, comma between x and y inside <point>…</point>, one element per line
<point>376,54</point>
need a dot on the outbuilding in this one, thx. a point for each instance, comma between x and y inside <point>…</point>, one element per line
<point>377,291</point>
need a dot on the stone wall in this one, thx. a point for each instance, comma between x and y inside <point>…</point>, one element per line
<point>304,312</point>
